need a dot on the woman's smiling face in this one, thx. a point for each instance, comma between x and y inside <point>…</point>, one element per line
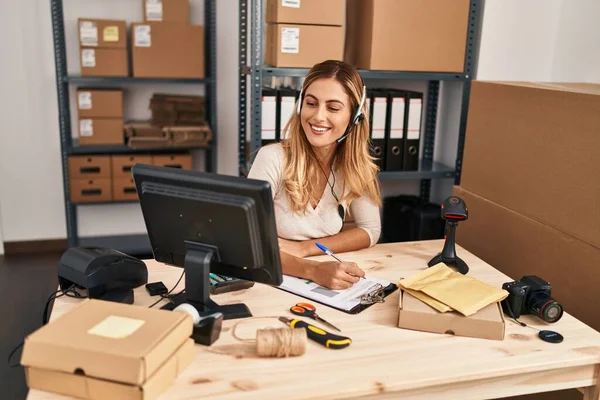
<point>325,112</point>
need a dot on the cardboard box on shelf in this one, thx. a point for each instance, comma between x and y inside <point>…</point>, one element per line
<point>89,167</point>
<point>121,164</point>
<point>167,50</point>
<point>124,189</point>
<point>294,46</point>
<point>183,161</point>
<point>518,245</point>
<point>533,148</point>
<point>102,33</point>
<point>90,190</point>
<point>167,10</point>
<point>121,351</point>
<point>103,62</point>
<point>104,103</point>
<point>313,12</point>
<point>487,323</point>
<point>101,131</point>
<point>407,35</point>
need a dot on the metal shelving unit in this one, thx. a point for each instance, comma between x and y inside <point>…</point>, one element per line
<point>251,67</point>
<point>132,244</point>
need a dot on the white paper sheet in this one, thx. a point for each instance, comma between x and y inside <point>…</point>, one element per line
<point>343,299</point>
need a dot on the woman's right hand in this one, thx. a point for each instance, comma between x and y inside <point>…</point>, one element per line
<point>337,276</point>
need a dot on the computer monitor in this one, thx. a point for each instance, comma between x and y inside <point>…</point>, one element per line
<point>206,222</point>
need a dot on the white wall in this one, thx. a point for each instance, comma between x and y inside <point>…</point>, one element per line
<point>521,40</point>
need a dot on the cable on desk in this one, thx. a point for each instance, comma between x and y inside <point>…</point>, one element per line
<point>167,295</point>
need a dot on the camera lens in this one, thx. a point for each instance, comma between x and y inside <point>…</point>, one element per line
<point>545,308</point>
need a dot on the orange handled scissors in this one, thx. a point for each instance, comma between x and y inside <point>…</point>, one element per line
<point>308,310</point>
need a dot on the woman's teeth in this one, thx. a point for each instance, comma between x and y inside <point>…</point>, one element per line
<point>319,128</point>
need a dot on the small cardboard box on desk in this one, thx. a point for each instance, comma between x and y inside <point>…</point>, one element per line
<point>487,323</point>
<point>103,350</point>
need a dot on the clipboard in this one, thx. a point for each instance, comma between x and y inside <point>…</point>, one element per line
<point>358,308</point>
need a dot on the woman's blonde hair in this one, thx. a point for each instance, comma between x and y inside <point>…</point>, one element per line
<point>352,156</point>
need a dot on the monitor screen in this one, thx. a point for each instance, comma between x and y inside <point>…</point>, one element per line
<point>230,218</point>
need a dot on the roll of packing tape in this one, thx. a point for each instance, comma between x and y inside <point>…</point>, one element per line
<point>190,310</point>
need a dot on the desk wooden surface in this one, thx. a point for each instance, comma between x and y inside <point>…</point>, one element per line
<point>384,361</point>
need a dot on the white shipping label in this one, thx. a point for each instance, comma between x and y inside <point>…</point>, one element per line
<point>290,40</point>
<point>290,3</point>
<point>287,110</point>
<point>414,119</point>
<point>397,124</point>
<point>88,58</point>
<point>143,36</point>
<point>154,10</point>
<point>88,32</point>
<point>86,127</point>
<point>85,100</point>
<point>379,111</point>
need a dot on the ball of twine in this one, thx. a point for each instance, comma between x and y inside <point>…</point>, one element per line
<point>281,342</point>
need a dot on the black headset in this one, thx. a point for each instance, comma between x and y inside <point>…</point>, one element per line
<point>356,118</point>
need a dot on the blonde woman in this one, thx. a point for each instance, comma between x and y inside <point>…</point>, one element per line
<point>321,174</point>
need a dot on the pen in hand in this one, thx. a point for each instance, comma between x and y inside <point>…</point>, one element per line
<point>329,252</point>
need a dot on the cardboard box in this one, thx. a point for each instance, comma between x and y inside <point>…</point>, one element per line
<point>103,62</point>
<point>103,349</point>
<point>183,161</point>
<point>290,45</point>
<point>121,164</point>
<point>313,12</point>
<point>167,50</point>
<point>105,103</point>
<point>517,245</point>
<point>123,189</point>
<point>90,190</point>
<point>487,323</point>
<point>167,10</point>
<point>102,33</point>
<point>89,167</point>
<point>534,148</point>
<point>407,35</point>
<point>99,131</point>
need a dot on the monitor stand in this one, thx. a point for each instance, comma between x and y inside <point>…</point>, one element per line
<point>197,284</point>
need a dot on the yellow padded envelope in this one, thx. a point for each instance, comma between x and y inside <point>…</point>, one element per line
<point>452,289</point>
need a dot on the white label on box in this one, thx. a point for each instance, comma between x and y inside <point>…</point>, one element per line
<point>290,3</point>
<point>290,40</point>
<point>397,123</point>
<point>88,32</point>
<point>85,100</point>
<point>116,327</point>
<point>86,127</point>
<point>414,119</point>
<point>143,37</point>
<point>88,58</point>
<point>154,10</point>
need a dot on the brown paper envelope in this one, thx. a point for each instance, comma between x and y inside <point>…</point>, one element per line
<point>441,307</point>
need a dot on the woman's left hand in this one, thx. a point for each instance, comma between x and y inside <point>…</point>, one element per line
<point>297,249</point>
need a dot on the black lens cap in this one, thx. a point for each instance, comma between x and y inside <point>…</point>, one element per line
<point>551,336</point>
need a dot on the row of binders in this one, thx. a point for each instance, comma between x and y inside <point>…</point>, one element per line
<point>395,120</point>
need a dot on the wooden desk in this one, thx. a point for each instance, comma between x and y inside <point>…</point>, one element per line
<point>384,361</point>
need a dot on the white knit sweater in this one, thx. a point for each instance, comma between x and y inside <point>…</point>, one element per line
<point>318,222</point>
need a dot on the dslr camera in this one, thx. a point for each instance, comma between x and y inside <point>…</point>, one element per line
<point>531,295</point>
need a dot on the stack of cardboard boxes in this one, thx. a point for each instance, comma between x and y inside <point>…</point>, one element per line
<point>165,45</point>
<point>301,33</point>
<point>103,47</point>
<point>530,181</point>
<point>100,113</point>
